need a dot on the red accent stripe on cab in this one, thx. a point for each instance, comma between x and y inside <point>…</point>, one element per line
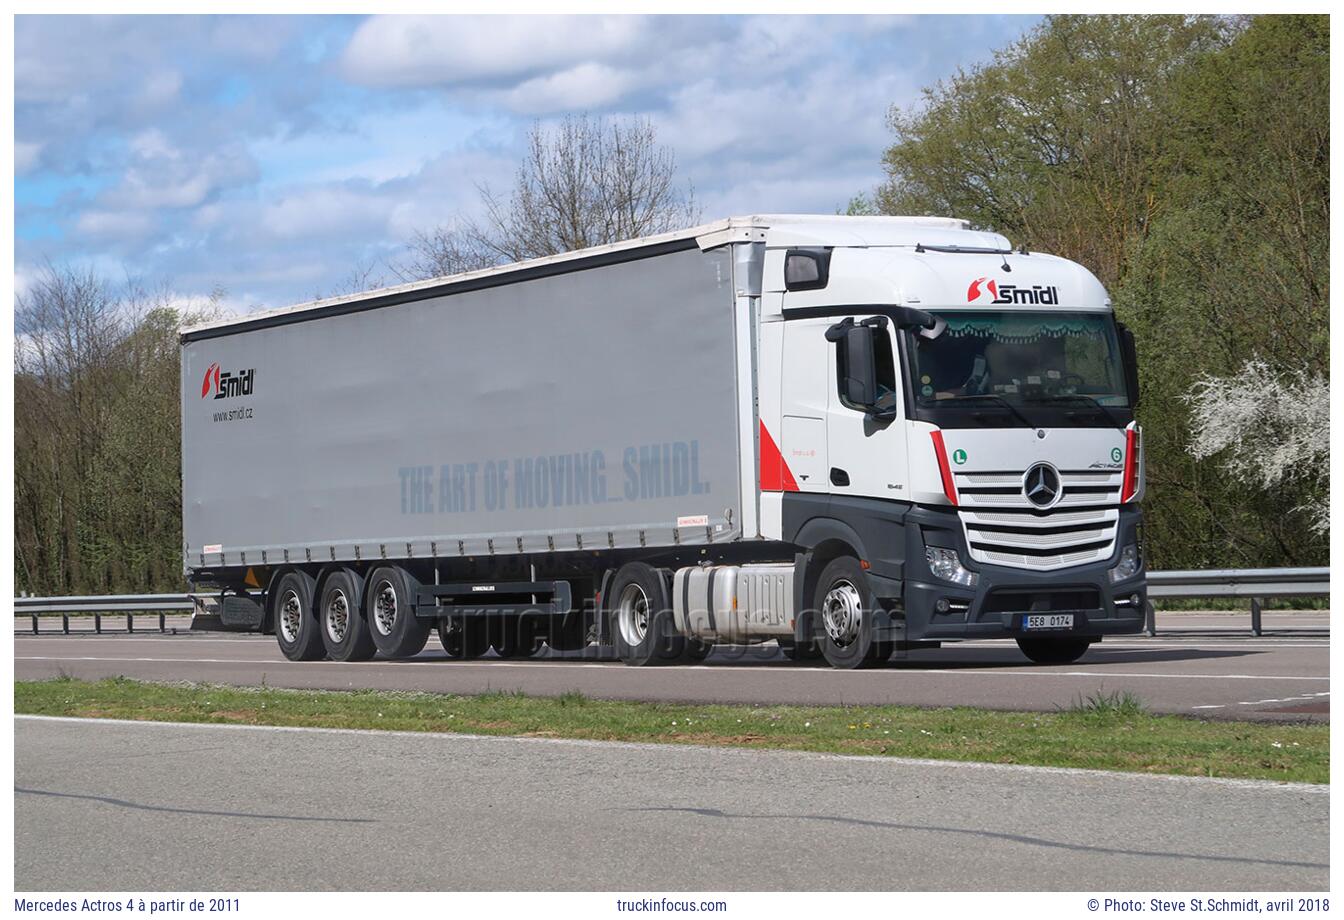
<point>949,484</point>
<point>775,474</point>
<point>1129,482</point>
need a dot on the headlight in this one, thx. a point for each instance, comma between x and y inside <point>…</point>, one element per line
<point>946,564</point>
<point>1129,563</point>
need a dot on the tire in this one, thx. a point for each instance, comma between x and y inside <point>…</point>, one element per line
<point>464,637</point>
<point>296,627</point>
<point>388,606</point>
<point>843,618</point>
<point>517,637</point>
<point>642,629</point>
<point>800,652</point>
<point>1054,651</point>
<point>345,632</point>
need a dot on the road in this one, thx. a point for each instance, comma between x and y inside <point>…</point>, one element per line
<point>1202,671</point>
<point>208,807</point>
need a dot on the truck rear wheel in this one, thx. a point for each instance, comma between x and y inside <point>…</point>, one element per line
<point>1054,651</point>
<point>844,616</point>
<point>396,630</point>
<point>464,637</point>
<point>642,628</point>
<point>296,627</point>
<point>345,632</point>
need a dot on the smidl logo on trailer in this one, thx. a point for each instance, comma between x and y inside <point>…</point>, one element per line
<point>226,384</point>
<point>1010,293</point>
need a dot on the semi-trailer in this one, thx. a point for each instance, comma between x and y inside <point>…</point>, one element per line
<point>848,435</point>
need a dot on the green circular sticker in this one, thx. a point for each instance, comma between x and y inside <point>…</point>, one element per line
<point>1117,454</point>
<point>958,456</point>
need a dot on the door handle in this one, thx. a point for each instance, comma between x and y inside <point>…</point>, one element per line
<point>839,477</point>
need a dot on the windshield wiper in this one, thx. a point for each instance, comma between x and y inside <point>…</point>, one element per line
<point>1105,411</point>
<point>997,398</point>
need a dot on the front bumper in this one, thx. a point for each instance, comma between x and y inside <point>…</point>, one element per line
<point>1003,596</point>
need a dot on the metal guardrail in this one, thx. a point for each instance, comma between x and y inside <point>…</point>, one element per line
<point>130,604</point>
<point>1256,584</point>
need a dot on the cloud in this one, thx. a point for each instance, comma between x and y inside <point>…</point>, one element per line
<point>269,155</point>
<point>424,51</point>
<point>26,156</point>
<point>121,225</point>
<point>586,86</point>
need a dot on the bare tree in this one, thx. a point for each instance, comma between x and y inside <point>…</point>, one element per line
<point>588,181</point>
<point>446,250</point>
<point>1271,427</point>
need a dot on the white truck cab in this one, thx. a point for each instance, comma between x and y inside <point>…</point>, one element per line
<point>963,415</point>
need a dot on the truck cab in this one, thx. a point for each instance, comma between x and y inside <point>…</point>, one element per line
<point>959,413</point>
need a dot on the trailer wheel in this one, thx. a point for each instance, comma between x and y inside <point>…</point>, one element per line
<point>396,630</point>
<point>844,616</point>
<point>642,628</point>
<point>1054,651</point>
<point>296,627</point>
<point>345,632</point>
<point>464,637</point>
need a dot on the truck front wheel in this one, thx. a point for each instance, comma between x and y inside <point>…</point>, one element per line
<point>296,626</point>
<point>395,628</point>
<point>642,627</point>
<point>843,617</point>
<point>1054,651</point>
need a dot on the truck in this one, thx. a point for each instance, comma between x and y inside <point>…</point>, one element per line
<point>850,436</point>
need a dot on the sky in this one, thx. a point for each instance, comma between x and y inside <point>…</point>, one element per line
<point>265,158</point>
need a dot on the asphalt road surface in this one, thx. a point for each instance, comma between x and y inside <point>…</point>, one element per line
<point>1210,668</point>
<point>209,807</point>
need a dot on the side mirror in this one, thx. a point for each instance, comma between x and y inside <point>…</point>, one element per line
<point>1130,356</point>
<point>860,373</point>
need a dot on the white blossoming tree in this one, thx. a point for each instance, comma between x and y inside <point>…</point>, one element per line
<point>1270,427</point>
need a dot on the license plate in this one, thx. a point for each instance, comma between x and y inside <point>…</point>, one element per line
<point>1048,621</point>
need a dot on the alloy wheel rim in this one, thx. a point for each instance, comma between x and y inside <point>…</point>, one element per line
<point>842,613</point>
<point>338,616</point>
<point>633,615</point>
<point>385,608</point>
<point>291,615</point>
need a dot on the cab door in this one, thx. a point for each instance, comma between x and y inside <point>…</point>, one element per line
<point>866,452</point>
<point>804,401</point>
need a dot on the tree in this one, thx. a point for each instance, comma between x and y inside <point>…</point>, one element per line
<point>1185,160</point>
<point>97,474</point>
<point>1055,143</point>
<point>585,182</point>
<point>1269,429</point>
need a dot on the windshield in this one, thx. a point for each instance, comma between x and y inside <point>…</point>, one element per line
<point>1042,368</point>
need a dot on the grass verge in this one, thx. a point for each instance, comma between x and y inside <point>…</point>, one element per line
<point>1103,732</point>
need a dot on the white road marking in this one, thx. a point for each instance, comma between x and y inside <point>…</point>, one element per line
<point>1262,785</point>
<point>791,673</point>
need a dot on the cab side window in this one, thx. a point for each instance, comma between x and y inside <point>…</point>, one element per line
<point>883,361</point>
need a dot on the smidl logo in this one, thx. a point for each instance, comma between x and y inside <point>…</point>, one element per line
<point>226,384</point>
<point>1010,293</point>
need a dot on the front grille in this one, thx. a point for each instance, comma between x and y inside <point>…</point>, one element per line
<point>1003,528</point>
